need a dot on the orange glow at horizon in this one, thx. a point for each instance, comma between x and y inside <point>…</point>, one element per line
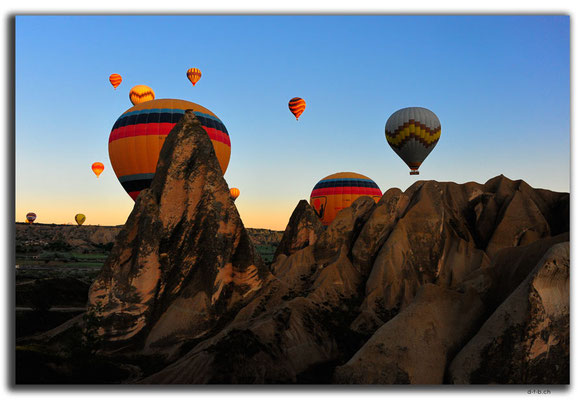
<point>112,212</point>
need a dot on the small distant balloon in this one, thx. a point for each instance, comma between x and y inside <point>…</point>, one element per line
<point>193,74</point>
<point>234,193</point>
<point>413,132</point>
<point>80,219</point>
<point>296,105</point>
<point>140,94</point>
<point>97,168</point>
<point>115,80</point>
<point>30,217</point>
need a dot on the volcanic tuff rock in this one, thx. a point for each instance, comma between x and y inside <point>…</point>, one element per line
<point>302,230</point>
<point>527,338</point>
<point>183,260</point>
<point>292,323</point>
<point>387,293</point>
<point>410,265</point>
<point>415,346</point>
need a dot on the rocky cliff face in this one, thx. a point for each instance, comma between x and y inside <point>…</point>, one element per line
<point>183,260</point>
<point>302,230</point>
<point>425,286</point>
<point>526,339</point>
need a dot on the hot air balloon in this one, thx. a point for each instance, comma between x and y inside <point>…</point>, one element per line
<point>234,193</point>
<point>413,132</point>
<point>193,74</point>
<point>80,219</point>
<point>336,192</point>
<point>140,94</point>
<point>97,168</point>
<point>115,80</point>
<point>139,134</point>
<point>30,217</point>
<point>296,105</point>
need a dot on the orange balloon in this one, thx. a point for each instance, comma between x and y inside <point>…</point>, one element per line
<point>140,94</point>
<point>193,74</point>
<point>296,105</point>
<point>97,168</point>
<point>115,80</point>
<point>234,193</point>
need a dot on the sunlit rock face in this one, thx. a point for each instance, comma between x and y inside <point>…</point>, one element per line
<point>183,258</point>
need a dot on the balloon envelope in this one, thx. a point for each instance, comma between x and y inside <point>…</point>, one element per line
<point>413,132</point>
<point>140,132</point>
<point>115,80</point>
<point>30,217</point>
<point>140,94</point>
<point>80,219</point>
<point>296,105</point>
<point>338,191</point>
<point>193,74</point>
<point>234,193</point>
<point>97,168</point>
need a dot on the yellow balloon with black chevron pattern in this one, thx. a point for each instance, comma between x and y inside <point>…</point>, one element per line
<point>413,132</point>
<point>141,93</point>
<point>80,219</point>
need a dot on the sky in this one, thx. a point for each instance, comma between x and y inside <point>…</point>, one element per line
<point>461,78</point>
<point>500,86</point>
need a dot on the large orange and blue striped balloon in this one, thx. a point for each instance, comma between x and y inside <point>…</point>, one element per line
<point>296,105</point>
<point>338,191</point>
<point>139,134</point>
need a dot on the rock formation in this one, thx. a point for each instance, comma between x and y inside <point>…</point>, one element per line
<point>388,293</point>
<point>183,259</point>
<point>423,287</point>
<point>416,345</point>
<point>302,230</point>
<point>527,338</point>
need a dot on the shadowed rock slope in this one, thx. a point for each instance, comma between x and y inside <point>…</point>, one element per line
<point>425,286</point>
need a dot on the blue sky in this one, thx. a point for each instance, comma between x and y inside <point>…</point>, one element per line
<point>499,84</point>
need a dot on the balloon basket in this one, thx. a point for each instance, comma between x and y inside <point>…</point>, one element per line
<point>413,172</point>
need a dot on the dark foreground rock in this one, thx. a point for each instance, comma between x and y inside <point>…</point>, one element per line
<point>526,340</point>
<point>416,345</point>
